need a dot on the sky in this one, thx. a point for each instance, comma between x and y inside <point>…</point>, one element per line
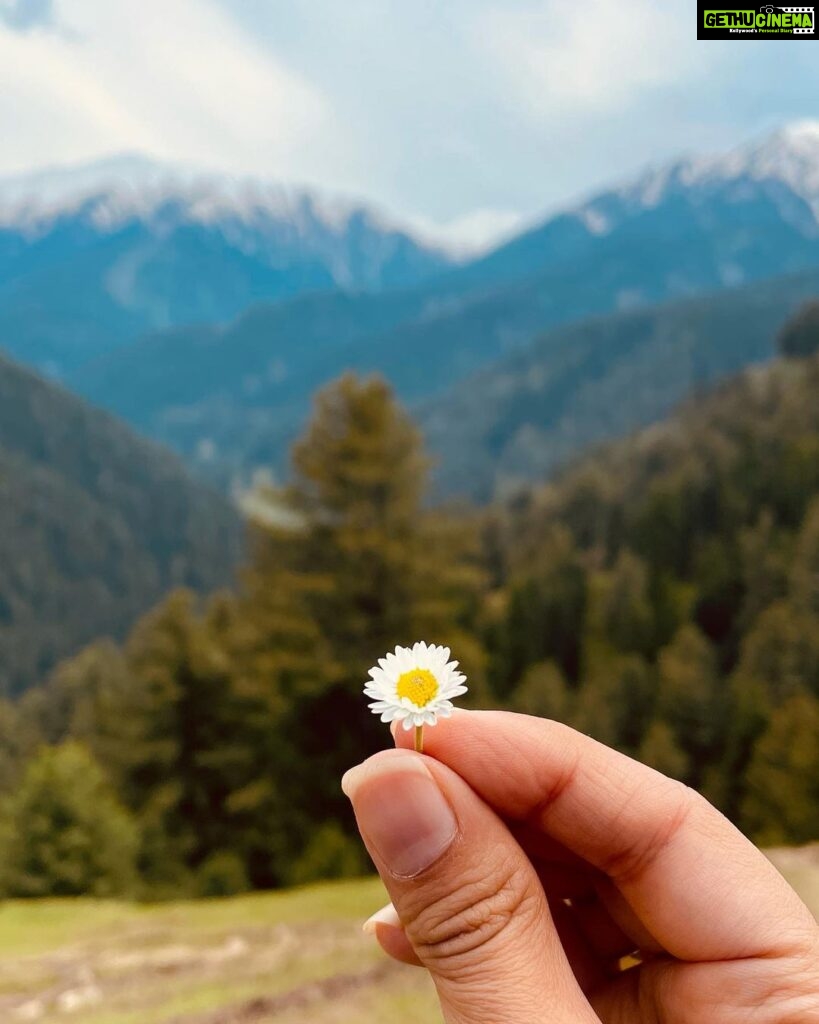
<point>461,116</point>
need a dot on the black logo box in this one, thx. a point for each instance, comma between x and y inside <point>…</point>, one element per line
<point>756,32</point>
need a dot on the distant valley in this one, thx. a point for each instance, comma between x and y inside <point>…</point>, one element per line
<point>231,397</point>
<point>241,301</point>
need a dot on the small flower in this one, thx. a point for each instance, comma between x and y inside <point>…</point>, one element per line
<point>415,685</point>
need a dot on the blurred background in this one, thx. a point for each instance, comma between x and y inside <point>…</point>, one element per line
<point>326,328</point>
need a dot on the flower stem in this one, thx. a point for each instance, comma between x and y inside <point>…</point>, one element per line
<point>419,738</point>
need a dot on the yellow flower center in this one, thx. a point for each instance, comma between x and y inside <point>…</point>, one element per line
<point>418,685</point>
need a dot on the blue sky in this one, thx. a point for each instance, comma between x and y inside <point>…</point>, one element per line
<point>463,112</point>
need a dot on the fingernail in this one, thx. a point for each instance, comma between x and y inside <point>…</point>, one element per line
<point>403,815</point>
<point>386,915</point>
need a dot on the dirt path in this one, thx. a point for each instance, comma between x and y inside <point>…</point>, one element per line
<point>317,992</point>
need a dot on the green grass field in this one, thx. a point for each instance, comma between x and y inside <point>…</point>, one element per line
<point>293,957</point>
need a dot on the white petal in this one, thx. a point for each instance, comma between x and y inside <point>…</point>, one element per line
<point>456,691</point>
<point>429,718</point>
<point>408,723</point>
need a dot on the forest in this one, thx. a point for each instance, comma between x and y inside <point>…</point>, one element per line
<point>662,594</point>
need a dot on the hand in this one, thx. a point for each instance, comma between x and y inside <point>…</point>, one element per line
<point>524,861</point>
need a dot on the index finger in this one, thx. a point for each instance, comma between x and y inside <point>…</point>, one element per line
<point>698,885</point>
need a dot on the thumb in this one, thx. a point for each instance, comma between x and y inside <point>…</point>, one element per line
<point>468,897</point>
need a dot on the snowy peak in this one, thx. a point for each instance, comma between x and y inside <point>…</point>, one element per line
<point>128,245</point>
<point>118,189</point>
<point>789,157</point>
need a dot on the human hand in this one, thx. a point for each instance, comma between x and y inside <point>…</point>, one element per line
<point>525,860</point>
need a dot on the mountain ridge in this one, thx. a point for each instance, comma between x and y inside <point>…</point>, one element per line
<point>140,246</point>
<point>583,384</point>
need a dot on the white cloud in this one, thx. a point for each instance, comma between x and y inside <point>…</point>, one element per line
<point>471,233</point>
<point>178,79</point>
<point>562,58</point>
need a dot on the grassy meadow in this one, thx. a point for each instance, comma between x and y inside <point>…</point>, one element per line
<point>293,957</point>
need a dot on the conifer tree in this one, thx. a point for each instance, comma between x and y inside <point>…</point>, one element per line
<point>804,584</point>
<point>66,834</point>
<point>691,699</point>
<point>782,800</point>
<point>359,567</point>
<point>190,752</point>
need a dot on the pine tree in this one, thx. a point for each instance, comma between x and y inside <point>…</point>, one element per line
<point>543,618</point>
<point>628,614</point>
<point>356,566</point>
<point>66,834</point>
<point>543,692</point>
<point>191,750</point>
<point>782,801</point>
<point>804,584</point>
<point>661,751</point>
<point>691,699</point>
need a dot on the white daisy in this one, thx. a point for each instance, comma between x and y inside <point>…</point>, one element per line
<point>415,685</point>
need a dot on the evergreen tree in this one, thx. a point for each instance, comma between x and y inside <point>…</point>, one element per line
<point>661,751</point>
<point>782,801</point>
<point>781,652</point>
<point>804,583</point>
<point>88,698</point>
<point>543,692</point>
<point>544,616</point>
<point>691,699</point>
<point>191,752</point>
<point>357,566</point>
<point>616,698</point>
<point>627,612</point>
<point>66,834</point>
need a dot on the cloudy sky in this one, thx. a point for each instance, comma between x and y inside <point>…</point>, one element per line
<point>463,112</point>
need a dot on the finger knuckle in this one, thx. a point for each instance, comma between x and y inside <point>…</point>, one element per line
<point>629,862</point>
<point>473,915</point>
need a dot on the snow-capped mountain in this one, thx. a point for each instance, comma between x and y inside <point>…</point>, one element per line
<point>783,166</point>
<point>92,255</point>
<point>698,222</point>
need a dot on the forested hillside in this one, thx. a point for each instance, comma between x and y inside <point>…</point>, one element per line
<point>95,525</point>
<point>661,596</point>
<point>580,385</point>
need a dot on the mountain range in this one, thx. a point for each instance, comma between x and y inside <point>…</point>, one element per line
<point>230,396</point>
<point>96,524</point>
<point>93,256</point>
<point>206,311</point>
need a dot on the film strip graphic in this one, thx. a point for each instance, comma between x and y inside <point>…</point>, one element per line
<point>801,10</point>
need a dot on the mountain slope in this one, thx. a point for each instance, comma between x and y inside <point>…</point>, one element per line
<point>582,384</point>
<point>239,393</point>
<point>92,256</point>
<point>95,525</point>
<point>697,223</point>
<point>682,230</point>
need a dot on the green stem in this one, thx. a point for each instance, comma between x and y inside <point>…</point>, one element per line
<point>419,738</point>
